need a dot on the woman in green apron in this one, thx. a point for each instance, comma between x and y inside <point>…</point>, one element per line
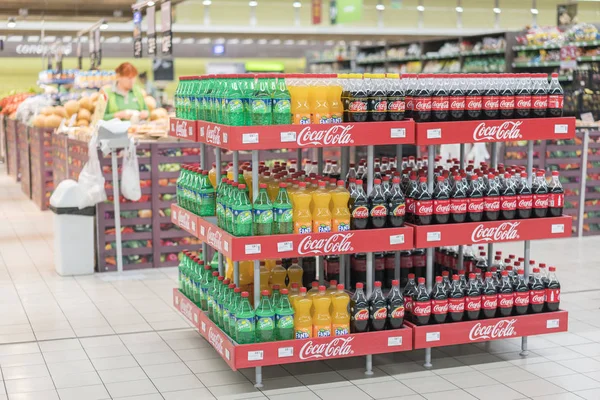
<point>124,98</point>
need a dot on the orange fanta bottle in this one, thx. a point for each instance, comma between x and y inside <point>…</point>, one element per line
<point>322,215</point>
<point>321,316</point>
<point>294,273</point>
<point>303,323</point>
<point>340,214</point>
<point>319,106</point>
<point>340,319</point>
<point>302,214</point>
<point>300,108</point>
<point>334,98</point>
<point>278,274</point>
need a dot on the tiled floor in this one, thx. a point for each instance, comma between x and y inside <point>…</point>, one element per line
<point>116,336</point>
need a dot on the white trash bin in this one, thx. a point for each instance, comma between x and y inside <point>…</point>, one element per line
<point>73,231</point>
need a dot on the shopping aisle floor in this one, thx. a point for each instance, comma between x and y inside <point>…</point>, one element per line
<point>117,336</point>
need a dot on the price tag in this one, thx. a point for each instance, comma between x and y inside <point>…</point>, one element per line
<point>432,337</point>
<point>255,355</point>
<point>397,239</point>
<point>282,247</point>
<point>203,326</point>
<point>558,228</point>
<point>196,318</point>
<point>434,133</point>
<point>252,249</point>
<point>434,236</point>
<point>226,246</point>
<point>561,128</point>
<point>395,341</point>
<point>176,301</point>
<point>287,137</point>
<point>285,352</point>
<point>227,355</point>
<point>249,138</point>
<point>201,131</point>
<point>225,137</point>
<point>587,117</point>
<point>552,323</point>
<point>194,226</point>
<point>396,133</point>
<point>202,230</point>
<point>174,215</point>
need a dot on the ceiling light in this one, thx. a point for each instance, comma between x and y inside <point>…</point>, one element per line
<point>262,41</point>
<point>497,10</point>
<point>253,3</point>
<point>297,4</point>
<point>203,41</point>
<point>233,41</point>
<point>535,11</point>
<point>459,9</point>
<point>380,7</point>
<point>12,22</point>
<point>302,42</point>
<point>220,40</point>
<point>104,26</point>
<point>420,8</point>
<point>207,2</point>
<point>289,42</point>
<point>276,41</point>
<point>150,4</point>
<point>247,41</point>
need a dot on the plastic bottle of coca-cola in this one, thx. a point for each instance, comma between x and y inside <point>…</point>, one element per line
<point>358,99</point>
<point>421,306</point>
<point>491,201</point>
<point>552,291</point>
<point>386,186</point>
<point>507,97</point>
<point>423,211</point>
<point>441,202</point>
<point>456,301</point>
<point>409,292</point>
<point>491,97</point>
<point>536,293</point>
<point>419,260</point>
<point>440,101</point>
<point>406,266</point>
<point>523,96</point>
<point>489,298</point>
<point>359,210</point>
<point>359,311</point>
<point>377,104</point>
<point>378,206</point>
<point>396,104</point>
<point>505,296</point>
<point>396,205</point>
<point>395,306</point>
<point>409,87</point>
<point>473,98</point>
<point>508,198</point>
<point>446,282</point>
<point>439,302</point>
<point>458,201</point>
<point>377,309</point>
<point>456,96</point>
<point>422,100</point>
<point>555,98</point>
<point>539,188</point>
<point>556,196</point>
<point>482,263</point>
<point>463,280</point>
<point>521,293</point>
<point>524,197</point>
<point>411,191</point>
<point>539,95</point>
<point>472,299</point>
<point>475,201</point>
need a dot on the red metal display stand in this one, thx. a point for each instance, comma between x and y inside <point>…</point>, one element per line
<point>183,129</point>
<point>291,351</point>
<point>292,245</point>
<point>484,330</point>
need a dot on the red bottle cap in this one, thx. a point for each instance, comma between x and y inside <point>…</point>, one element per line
<point>359,285</point>
<point>377,284</point>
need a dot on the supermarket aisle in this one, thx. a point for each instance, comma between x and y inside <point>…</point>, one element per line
<point>117,336</point>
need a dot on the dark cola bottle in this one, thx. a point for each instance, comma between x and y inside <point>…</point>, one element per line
<point>390,268</point>
<point>456,301</point>
<point>469,260</point>
<point>472,299</point>
<point>423,204</point>
<point>396,205</point>
<point>419,259</point>
<point>537,293</point>
<point>422,100</point>
<point>456,97</point>
<point>475,201</point>
<point>446,282</point>
<point>358,268</point>
<point>489,297</point>
<point>379,266</point>
<point>377,309</point>
<point>505,296</point>
<point>409,91</point>
<point>490,101</point>
<point>463,280</point>
<point>440,101</point>
<point>508,198</point>
<point>377,105</point>
<point>406,266</point>
<point>552,291</point>
<point>523,96</point>
<point>359,211</point>
<point>441,202</point>
<point>539,95</point>
<point>409,292</point>
<point>473,99</point>
<point>482,264</point>
<point>507,97</point>
<point>396,104</point>
<point>524,197</point>
<point>491,201</point>
<point>556,196</point>
<point>439,302</point>
<point>539,189</point>
<point>555,98</point>
<point>421,304</point>
<point>521,294</point>
<point>458,201</point>
<point>358,101</point>
<point>332,267</point>
<point>395,306</point>
<point>411,193</point>
<point>378,206</point>
<point>359,311</point>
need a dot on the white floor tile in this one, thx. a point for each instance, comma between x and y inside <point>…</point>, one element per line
<point>27,371</point>
<point>130,388</point>
<point>122,375</point>
<point>96,392</point>
<point>173,383</point>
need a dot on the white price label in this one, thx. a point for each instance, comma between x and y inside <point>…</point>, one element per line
<point>196,318</point>
<point>285,352</point>
<point>397,239</point>
<point>434,236</point>
<point>552,323</point>
<point>249,138</point>
<point>203,326</point>
<point>286,137</point>
<point>194,226</point>
<point>558,228</point>
<point>225,137</point>
<point>561,128</point>
<point>252,249</point>
<point>282,247</point>
<point>176,300</point>
<point>395,341</point>
<point>434,133</point>
<point>202,132</point>
<point>174,215</point>
<point>227,355</point>
<point>226,246</point>
<point>396,133</point>
<point>432,337</point>
<point>202,230</point>
<point>255,355</point>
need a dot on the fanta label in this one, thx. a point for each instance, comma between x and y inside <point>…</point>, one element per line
<point>302,227</point>
<point>340,329</point>
<point>340,225</point>
<point>321,226</point>
<point>322,331</point>
<point>302,333</point>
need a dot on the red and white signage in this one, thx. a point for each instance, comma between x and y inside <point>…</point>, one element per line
<point>499,130</point>
<point>492,231</point>
<point>184,220</point>
<point>488,329</point>
<point>183,129</point>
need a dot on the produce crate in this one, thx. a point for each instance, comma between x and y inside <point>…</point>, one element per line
<point>12,151</point>
<point>24,162</point>
<point>515,153</point>
<point>591,216</point>
<point>59,159</point>
<point>76,157</point>
<point>3,122</point>
<point>40,150</point>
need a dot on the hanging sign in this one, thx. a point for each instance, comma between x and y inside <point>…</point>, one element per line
<point>79,54</point>
<point>165,22</point>
<point>151,34</point>
<point>98,47</point>
<point>137,34</point>
<point>92,50</point>
<point>316,11</point>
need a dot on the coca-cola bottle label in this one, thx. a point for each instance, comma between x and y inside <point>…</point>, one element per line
<point>389,262</point>
<point>421,308</point>
<point>552,295</point>
<point>458,206</point>
<point>490,102</point>
<point>489,301</point>
<point>439,306</point>
<point>419,260</point>
<point>422,104</point>
<point>406,262</point>
<point>508,203</point>
<point>409,102</point>
<point>523,102</point>
<point>360,212</point>
<point>537,296</point>
<point>469,265</point>
<point>521,299</point>
<point>556,200</point>
<point>555,101</point>
<point>507,102</point>
<point>379,210</point>
<point>423,207</point>
<point>378,105</point>
<point>441,207</point>
<point>397,312</point>
<point>361,315</point>
<point>457,103</point>
<point>380,313</point>
<point>539,101</point>
<point>396,106</point>
<point>410,205</point>
<point>408,303</point>
<point>472,303</point>
<point>357,106</point>
<point>440,103</point>
<point>399,210</point>
<point>475,204</point>
<point>439,256</point>
<point>491,204</point>
<point>524,201</point>
<point>505,300</point>
<point>359,264</point>
<point>379,263</point>
<point>473,103</point>
<point>456,305</point>
<point>540,200</point>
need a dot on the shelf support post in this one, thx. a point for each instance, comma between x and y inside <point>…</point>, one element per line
<point>583,180</point>
<point>219,177</point>
<point>429,268</point>
<point>117,204</point>
<point>397,253</point>
<point>370,168</point>
<point>527,245</point>
<point>258,370</point>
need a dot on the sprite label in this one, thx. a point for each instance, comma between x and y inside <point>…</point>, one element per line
<point>242,217</point>
<point>263,216</point>
<point>244,329</point>
<point>260,106</point>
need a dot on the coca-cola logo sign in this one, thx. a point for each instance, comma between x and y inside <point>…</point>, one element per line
<point>507,130</point>
<point>337,347</point>
<point>442,208</point>
<point>181,128</point>
<point>336,135</point>
<point>507,104</point>
<point>418,309</point>
<point>503,232</point>
<point>216,340</point>
<point>337,243</point>
<point>501,329</point>
<point>440,308</point>
<point>522,104</point>
<point>426,209</point>
<point>489,304</point>
<point>491,104</point>
<point>186,309</point>
<point>380,314</point>
<point>457,105</point>
<point>214,239</point>
<point>422,105</point>
<point>537,299</point>
<point>184,221</point>
<point>213,135</point>
<point>505,301</point>
<point>525,203</point>
<point>540,104</point>
<point>521,299</point>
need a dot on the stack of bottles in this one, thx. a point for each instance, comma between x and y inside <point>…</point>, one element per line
<point>195,192</point>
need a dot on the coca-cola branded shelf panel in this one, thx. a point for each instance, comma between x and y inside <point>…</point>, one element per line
<point>484,330</point>
<point>293,245</point>
<point>291,351</point>
<point>497,130</point>
<point>304,136</point>
<point>183,129</point>
<point>492,231</point>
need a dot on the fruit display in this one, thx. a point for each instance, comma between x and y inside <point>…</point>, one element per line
<point>10,103</point>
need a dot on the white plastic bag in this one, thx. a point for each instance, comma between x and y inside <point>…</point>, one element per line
<point>91,179</point>
<point>130,179</point>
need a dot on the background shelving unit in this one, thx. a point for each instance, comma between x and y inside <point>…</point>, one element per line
<point>12,153</point>
<point>41,162</point>
<point>59,158</point>
<point>24,161</point>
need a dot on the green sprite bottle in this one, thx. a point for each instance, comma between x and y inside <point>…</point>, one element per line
<point>198,93</point>
<point>178,188</point>
<point>260,103</point>
<point>208,97</point>
<point>221,301</point>
<point>212,292</point>
<point>226,306</point>
<point>198,276</point>
<point>282,112</point>
<point>265,319</point>
<point>194,192</point>
<point>195,281</point>
<point>231,199</point>
<point>217,301</point>
<point>214,263</point>
<point>247,89</point>
<point>182,271</point>
<point>245,321</point>
<point>263,212</point>
<point>206,206</point>
<point>216,97</point>
<point>185,97</point>
<point>234,104</point>
<point>284,318</point>
<point>236,299</point>
<point>275,296</point>
<point>177,98</point>
<point>220,210</point>
<point>241,210</point>
<point>205,285</point>
<point>282,212</point>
